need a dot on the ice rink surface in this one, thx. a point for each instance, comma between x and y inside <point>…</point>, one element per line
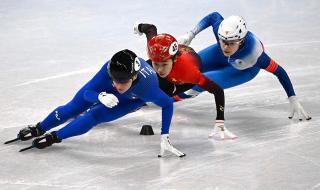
<point>50,48</point>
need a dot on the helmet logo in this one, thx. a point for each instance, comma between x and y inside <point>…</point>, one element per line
<point>227,32</point>
<point>137,64</point>
<point>173,49</point>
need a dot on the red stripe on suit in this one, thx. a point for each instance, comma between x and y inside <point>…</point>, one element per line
<point>273,66</point>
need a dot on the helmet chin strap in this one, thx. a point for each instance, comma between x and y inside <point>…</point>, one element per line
<point>241,43</point>
<point>174,57</point>
<point>135,79</point>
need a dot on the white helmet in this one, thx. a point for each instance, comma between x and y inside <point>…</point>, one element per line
<point>232,28</point>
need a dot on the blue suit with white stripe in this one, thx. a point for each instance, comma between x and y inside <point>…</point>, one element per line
<point>87,112</point>
<point>240,67</point>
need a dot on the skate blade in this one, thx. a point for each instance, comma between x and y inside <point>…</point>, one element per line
<point>11,141</point>
<point>27,148</point>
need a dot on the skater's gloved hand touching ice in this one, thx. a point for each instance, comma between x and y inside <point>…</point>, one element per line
<point>165,144</point>
<point>220,132</point>
<point>296,108</point>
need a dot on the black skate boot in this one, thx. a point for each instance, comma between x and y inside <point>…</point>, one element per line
<point>44,141</point>
<point>28,133</point>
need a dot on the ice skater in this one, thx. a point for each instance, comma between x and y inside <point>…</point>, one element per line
<point>237,57</point>
<point>178,67</point>
<point>122,85</point>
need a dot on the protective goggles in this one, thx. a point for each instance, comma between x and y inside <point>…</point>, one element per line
<point>230,42</point>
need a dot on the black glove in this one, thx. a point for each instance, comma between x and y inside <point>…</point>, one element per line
<point>30,132</point>
<point>46,140</point>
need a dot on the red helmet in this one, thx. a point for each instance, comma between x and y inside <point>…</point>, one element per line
<point>162,47</point>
